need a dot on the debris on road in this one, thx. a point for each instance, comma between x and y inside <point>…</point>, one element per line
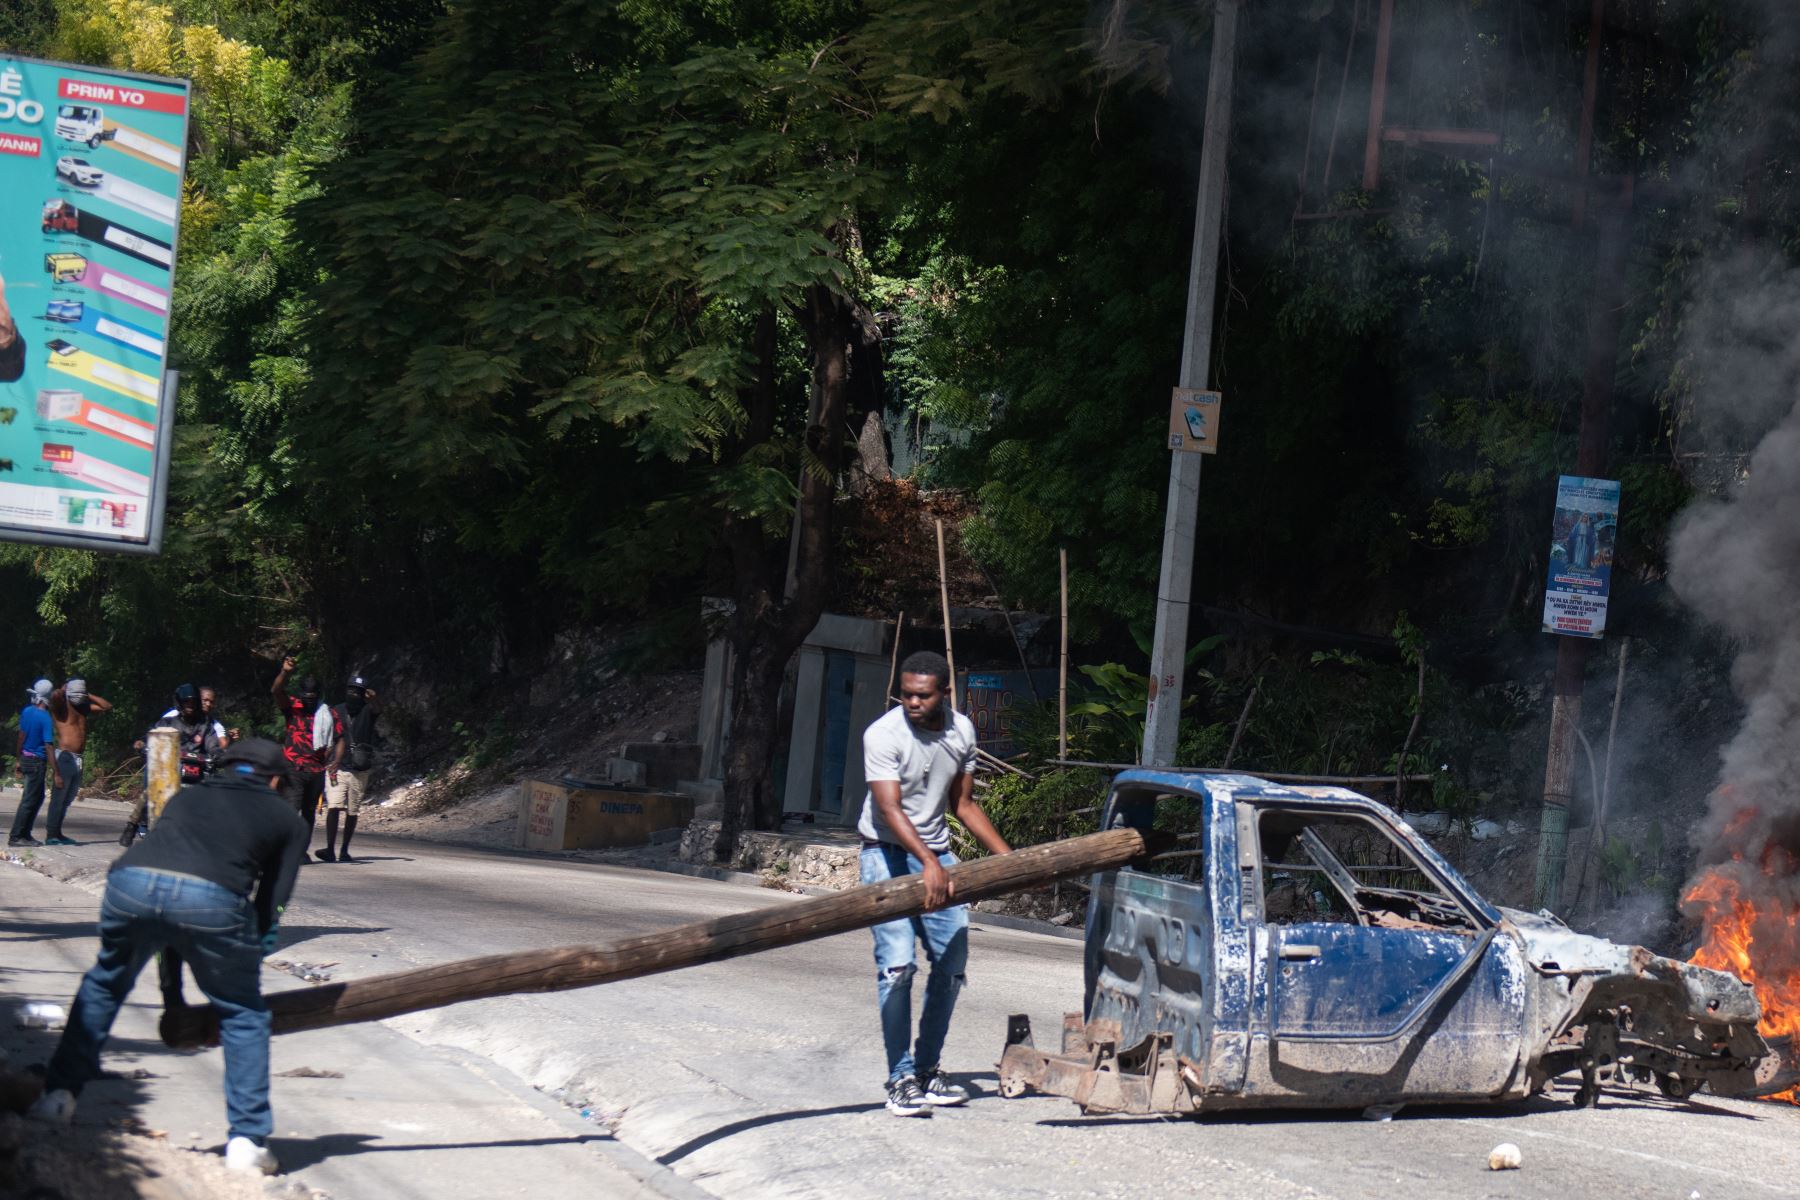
<point>40,1014</point>
<point>1504,1157</point>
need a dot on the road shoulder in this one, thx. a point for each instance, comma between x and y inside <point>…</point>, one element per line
<point>361,1111</point>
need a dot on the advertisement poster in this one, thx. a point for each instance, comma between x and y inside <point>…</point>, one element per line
<point>1581,555</point>
<point>1194,421</point>
<point>988,699</point>
<point>91,165</point>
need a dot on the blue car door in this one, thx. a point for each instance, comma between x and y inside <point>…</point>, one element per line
<point>1382,984</point>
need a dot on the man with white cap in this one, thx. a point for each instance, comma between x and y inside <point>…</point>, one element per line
<point>70,707</point>
<point>35,732</point>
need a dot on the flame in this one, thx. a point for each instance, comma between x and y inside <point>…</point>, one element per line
<point>1755,944</point>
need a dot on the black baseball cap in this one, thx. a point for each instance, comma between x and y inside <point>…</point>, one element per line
<point>255,756</point>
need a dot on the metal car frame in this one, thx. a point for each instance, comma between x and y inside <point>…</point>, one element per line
<point>1198,999</point>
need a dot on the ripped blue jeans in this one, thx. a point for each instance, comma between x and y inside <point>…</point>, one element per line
<point>946,937</point>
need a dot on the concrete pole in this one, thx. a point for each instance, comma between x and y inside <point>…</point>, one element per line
<point>1162,720</point>
<point>163,753</point>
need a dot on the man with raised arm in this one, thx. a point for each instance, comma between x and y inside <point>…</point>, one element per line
<point>70,707</point>
<point>312,728</point>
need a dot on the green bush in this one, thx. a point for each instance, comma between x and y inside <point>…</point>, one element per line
<point>1030,811</point>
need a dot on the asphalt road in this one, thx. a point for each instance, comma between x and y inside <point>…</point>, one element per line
<point>761,1077</point>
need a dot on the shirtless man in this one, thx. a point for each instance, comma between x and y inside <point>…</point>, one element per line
<point>70,707</point>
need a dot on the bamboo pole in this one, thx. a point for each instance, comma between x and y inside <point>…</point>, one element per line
<point>944,597</point>
<point>894,659</point>
<point>1412,731</point>
<point>1011,629</point>
<point>1602,789</point>
<point>570,967</point>
<point>1243,720</point>
<point>1612,733</point>
<point>1062,677</point>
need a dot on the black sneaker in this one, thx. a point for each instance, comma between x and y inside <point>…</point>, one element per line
<point>24,841</point>
<point>937,1090</point>
<point>906,1100</point>
<point>344,856</point>
<point>325,855</point>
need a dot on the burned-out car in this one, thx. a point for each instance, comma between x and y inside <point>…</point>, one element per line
<point>1304,947</point>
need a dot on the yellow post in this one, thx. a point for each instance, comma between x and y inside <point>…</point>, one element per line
<point>163,753</point>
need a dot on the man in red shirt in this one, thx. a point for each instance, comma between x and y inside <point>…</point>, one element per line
<point>314,740</point>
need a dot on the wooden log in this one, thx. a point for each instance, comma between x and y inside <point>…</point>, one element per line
<point>944,597</point>
<point>894,659</point>
<point>1062,663</point>
<point>568,967</point>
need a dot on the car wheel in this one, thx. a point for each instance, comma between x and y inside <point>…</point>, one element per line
<point>1675,1088</point>
<point>94,142</point>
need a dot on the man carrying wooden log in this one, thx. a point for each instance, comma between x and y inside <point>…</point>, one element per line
<point>209,882</point>
<point>919,760</point>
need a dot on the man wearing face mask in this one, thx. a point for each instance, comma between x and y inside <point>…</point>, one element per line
<point>35,734</point>
<point>351,766</point>
<point>200,740</point>
<point>312,727</point>
<point>70,707</point>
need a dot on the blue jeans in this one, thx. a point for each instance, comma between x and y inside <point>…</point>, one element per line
<point>215,932</point>
<point>62,797</point>
<point>32,798</point>
<point>946,937</point>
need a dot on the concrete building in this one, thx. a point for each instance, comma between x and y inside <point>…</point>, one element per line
<point>840,685</point>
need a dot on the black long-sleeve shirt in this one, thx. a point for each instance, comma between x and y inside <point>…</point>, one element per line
<point>232,832</point>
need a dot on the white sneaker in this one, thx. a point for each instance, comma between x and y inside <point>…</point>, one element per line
<point>57,1107</point>
<point>242,1154</point>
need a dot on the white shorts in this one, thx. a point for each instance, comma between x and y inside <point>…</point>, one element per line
<point>347,793</point>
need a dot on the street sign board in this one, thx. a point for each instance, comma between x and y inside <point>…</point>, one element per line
<point>1582,536</point>
<point>1194,420</point>
<point>91,168</point>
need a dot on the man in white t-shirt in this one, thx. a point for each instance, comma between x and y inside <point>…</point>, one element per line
<point>919,760</point>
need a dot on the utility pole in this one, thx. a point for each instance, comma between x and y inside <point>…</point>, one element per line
<point>1605,305</point>
<point>1168,655</point>
<point>1605,316</point>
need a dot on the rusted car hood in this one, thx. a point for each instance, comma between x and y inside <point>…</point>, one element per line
<point>1555,949</point>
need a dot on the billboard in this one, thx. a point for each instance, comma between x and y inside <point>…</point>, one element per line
<point>91,167</point>
<point>1582,535</point>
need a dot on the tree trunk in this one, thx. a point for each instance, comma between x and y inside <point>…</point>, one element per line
<point>772,620</point>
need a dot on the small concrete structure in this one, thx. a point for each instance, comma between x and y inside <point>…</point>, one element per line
<point>840,685</point>
<point>553,816</point>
